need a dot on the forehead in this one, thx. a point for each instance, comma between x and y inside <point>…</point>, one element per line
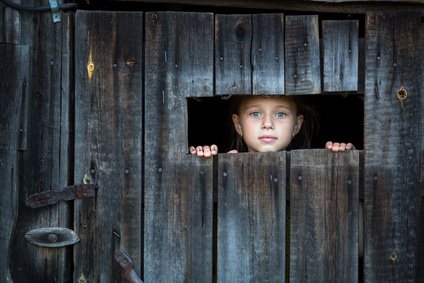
<point>267,101</point>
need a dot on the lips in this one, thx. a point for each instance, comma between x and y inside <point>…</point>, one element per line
<point>268,139</point>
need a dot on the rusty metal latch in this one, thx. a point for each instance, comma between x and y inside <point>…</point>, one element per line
<point>125,262</point>
<point>69,193</point>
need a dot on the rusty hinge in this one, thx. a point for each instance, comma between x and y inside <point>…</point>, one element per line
<point>125,262</point>
<point>68,193</point>
<point>52,237</point>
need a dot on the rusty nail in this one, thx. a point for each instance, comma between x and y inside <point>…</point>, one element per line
<point>393,257</point>
<point>402,94</point>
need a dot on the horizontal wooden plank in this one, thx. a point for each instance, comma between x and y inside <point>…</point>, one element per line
<point>336,6</point>
<point>251,217</point>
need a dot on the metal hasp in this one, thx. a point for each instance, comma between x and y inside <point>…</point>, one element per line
<point>68,193</point>
<point>55,10</point>
<point>52,237</point>
<point>125,262</point>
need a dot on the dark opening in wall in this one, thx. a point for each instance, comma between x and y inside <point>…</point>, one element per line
<point>341,119</point>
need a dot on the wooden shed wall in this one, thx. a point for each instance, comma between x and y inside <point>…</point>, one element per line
<point>119,120</point>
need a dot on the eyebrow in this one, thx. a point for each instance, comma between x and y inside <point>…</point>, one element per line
<point>259,105</point>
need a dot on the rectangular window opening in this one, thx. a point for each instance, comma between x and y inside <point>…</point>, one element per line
<point>340,119</point>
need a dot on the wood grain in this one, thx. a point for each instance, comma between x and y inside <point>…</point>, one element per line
<point>108,141</point>
<point>251,217</point>
<point>393,147</point>
<point>324,211</point>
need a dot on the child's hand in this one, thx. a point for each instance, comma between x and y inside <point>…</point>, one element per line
<point>336,146</point>
<point>205,151</point>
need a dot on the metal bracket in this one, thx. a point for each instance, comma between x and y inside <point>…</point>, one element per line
<point>68,193</point>
<point>125,262</point>
<point>55,10</point>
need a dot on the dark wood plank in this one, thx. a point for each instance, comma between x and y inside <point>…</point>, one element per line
<point>393,147</point>
<point>14,76</point>
<point>233,43</point>
<point>178,188</point>
<point>108,142</point>
<point>44,158</point>
<point>302,55</point>
<point>314,6</point>
<point>324,214</point>
<point>251,217</point>
<point>340,55</point>
<point>268,53</point>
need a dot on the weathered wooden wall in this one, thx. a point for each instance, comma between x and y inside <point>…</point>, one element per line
<point>181,218</point>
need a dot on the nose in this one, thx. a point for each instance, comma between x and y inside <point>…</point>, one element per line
<point>267,123</point>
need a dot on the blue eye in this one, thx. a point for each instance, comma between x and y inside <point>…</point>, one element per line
<point>280,115</point>
<point>255,114</point>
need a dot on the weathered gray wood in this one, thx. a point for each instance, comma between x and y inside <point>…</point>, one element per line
<point>108,141</point>
<point>251,217</point>
<point>10,25</point>
<point>14,77</point>
<point>324,204</point>
<point>44,158</point>
<point>268,53</point>
<point>178,188</point>
<point>393,147</point>
<point>233,43</point>
<point>340,55</point>
<point>302,55</point>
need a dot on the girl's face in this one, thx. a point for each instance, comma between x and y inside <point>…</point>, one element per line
<point>267,124</point>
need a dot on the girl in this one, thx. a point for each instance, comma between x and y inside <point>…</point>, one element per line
<point>270,124</point>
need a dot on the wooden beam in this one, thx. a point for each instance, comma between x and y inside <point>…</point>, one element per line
<point>338,6</point>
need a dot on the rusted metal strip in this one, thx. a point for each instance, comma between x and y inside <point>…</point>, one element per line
<point>52,237</point>
<point>125,262</point>
<point>69,193</point>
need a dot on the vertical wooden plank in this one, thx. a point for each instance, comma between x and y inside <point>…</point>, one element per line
<point>268,54</point>
<point>44,156</point>
<point>13,107</point>
<point>340,55</point>
<point>302,55</point>
<point>393,147</point>
<point>233,67</point>
<point>251,217</point>
<point>108,142</point>
<point>324,216</point>
<point>178,226</point>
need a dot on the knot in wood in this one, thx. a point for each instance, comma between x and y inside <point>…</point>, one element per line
<point>402,94</point>
<point>240,33</point>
